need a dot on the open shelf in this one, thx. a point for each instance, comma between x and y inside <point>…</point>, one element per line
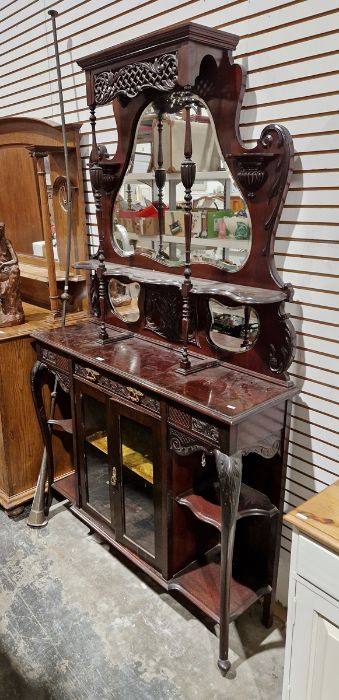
<point>208,509</point>
<point>210,175</point>
<point>66,486</point>
<point>236,292</point>
<point>204,510</point>
<point>65,424</point>
<point>200,583</point>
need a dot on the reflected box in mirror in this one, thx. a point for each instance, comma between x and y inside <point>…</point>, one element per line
<point>174,223</point>
<point>148,226</point>
<point>196,223</point>
<point>221,223</point>
<point>130,223</point>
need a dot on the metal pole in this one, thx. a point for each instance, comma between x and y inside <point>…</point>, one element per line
<point>37,516</point>
<point>65,296</point>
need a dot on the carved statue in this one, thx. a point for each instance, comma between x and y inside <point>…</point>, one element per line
<point>11,311</point>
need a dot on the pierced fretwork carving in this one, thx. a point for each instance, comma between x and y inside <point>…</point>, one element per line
<point>161,74</point>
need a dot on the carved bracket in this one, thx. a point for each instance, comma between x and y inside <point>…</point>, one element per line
<point>281,354</point>
<point>267,448</point>
<point>128,82</point>
<point>251,170</point>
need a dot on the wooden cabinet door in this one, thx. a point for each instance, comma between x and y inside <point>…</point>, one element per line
<point>135,456</point>
<point>315,646</point>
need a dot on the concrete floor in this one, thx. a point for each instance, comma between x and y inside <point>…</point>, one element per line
<point>76,623</point>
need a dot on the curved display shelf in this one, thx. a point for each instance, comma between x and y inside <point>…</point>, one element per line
<point>236,292</point>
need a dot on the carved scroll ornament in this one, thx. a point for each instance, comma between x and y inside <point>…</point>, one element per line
<point>161,74</point>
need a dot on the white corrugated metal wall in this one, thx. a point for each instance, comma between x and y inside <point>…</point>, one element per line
<point>291,52</point>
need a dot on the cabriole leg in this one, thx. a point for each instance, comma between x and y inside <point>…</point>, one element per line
<point>229,470</point>
<point>41,504</point>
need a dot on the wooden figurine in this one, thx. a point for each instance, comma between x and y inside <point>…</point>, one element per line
<point>11,311</point>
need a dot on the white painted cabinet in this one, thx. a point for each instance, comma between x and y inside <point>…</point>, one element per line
<point>312,640</point>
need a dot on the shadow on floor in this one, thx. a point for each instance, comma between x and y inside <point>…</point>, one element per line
<point>14,687</point>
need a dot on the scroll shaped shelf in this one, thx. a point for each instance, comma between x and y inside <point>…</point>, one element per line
<point>65,424</point>
<point>236,292</point>
<point>251,502</point>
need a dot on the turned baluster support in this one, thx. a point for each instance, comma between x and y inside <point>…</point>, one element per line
<point>188,170</point>
<point>160,180</point>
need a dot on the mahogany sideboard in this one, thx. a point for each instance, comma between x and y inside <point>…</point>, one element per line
<point>176,392</point>
<point>188,434</point>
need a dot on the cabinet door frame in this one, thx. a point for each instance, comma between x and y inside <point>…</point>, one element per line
<point>82,389</point>
<point>116,410</point>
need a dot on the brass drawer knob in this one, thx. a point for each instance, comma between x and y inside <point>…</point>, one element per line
<point>135,395</point>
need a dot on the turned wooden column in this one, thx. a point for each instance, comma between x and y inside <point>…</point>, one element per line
<point>160,179</point>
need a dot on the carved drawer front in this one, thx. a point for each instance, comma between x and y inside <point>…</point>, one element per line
<point>60,366</point>
<point>54,360</point>
<point>131,394</point>
<point>204,431</point>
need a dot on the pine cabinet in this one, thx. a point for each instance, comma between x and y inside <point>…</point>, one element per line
<point>312,643</point>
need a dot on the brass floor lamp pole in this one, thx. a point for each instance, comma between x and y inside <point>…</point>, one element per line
<point>37,516</point>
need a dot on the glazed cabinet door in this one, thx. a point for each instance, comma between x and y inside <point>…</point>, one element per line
<point>136,458</point>
<point>95,472</point>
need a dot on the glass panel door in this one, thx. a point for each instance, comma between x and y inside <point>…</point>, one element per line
<point>137,483</point>
<point>95,451</point>
<point>136,460</point>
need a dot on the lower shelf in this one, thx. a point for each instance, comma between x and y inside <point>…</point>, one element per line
<point>201,585</point>
<point>66,486</point>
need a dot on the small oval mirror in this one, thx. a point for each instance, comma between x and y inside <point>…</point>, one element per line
<point>233,328</point>
<point>124,300</point>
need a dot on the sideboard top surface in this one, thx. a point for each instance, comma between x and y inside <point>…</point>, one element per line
<point>224,393</point>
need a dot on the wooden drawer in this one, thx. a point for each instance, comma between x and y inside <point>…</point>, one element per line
<point>54,360</point>
<point>318,565</point>
<point>115,387</point>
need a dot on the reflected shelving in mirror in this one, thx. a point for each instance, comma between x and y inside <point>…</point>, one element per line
<point>124,300</point>
<point>148,216</point>
<point>233,328</point>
